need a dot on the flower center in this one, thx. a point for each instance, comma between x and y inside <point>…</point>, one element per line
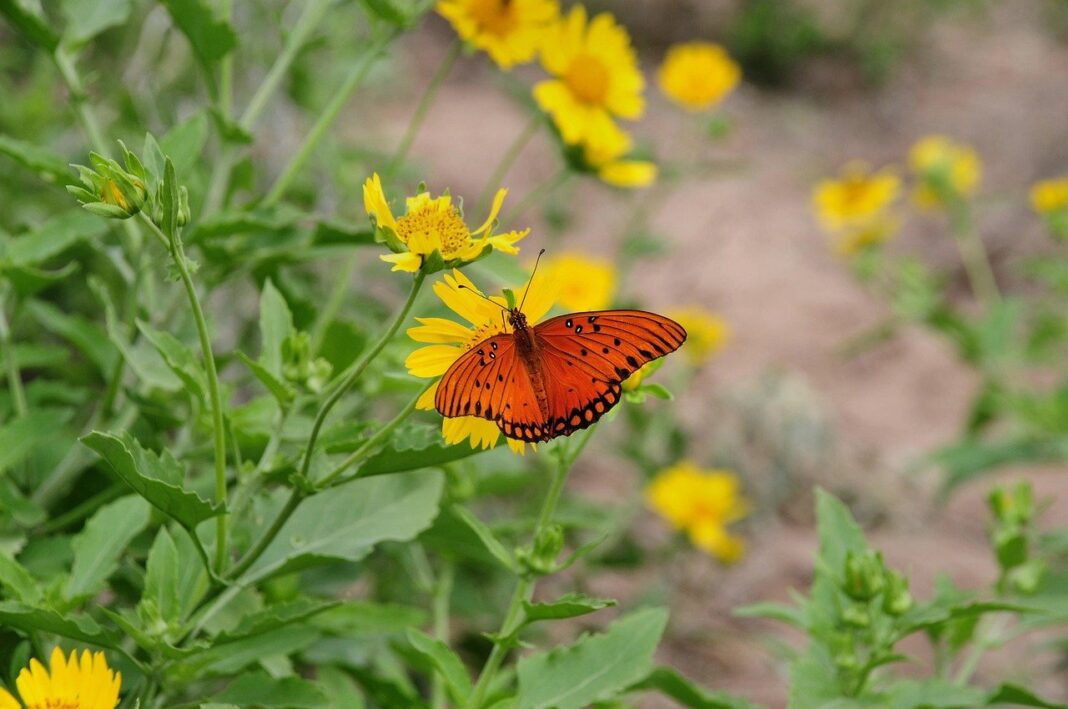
<point>418,230</point>
<point>588,78</point>
<point>494,16</point>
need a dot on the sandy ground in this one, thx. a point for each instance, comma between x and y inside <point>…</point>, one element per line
<point>745,245</point>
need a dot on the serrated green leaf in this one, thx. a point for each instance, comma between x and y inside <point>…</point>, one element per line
<point>570,605</point>
<point>356,618</point>
<point>446,663</point>
<point>79,331</point>
<point>88,18</point>
<point>670,683</point>
<point>27,618</point>
<point>211,37</point>
<point>101,542</point>
<point>276,324</point>
<point>595,668</point>
<point>154,477</point>
<point>261,690</point>
<point>347,521</point>
<point>485,534</point>
<point>237,655</point>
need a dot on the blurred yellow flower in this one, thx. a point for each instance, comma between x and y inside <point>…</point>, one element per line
<point>697,75</point>
<point>580,282</point>
<point>707,333</point>
<point>87,683</point>
<point>947,170</point>
<point>596,76</point>
<point>510,31</point>
<point>433,225</point>
<point>701,503</point>
<point>856,197</point>
<point>447,339</point>
<point>1050,196</point>
<point>603,154</point>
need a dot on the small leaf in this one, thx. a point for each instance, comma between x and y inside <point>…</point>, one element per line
<point>46,164</point>
<point>261,690</point>
<point>276,324</point>
<point>156,478</point>
<point>282,391</point>
<point>791,615</point>
<point>79,331</point>
<point>179,358</point>
<point>1020,696</point>
<point>88,18</point>
<point>169,200</point>
<point>162,574</point>
<point>83,628</point>
<point>18,582</point>
<point>838,531</point>
<point>28,19</point>
<point>21,436</point>
<point>670,683</point>
<point>211,37</point>
<point>101,542</point>
<point>485,534</point>
<point>274,617</point>
<point>185,142</point>
<point>570,605</point>
<point>595,668</point>
<point>447,664</point>
<point>659,391</point>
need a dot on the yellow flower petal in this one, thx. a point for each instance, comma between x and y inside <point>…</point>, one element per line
<point>7,701</point>
<point>498,200</point>
<point>701,503</point>
<point>374,201</point>
<point>439,330</point>
<point>706,333</point>
<point>426,401</point>
<point>578,281</point>
<point>509,31</point>
<point>629,173</point>
<point>407,261</point>
<point>698,75</point>
<point>483,434</point>
<point>1050,196</point>
<point>432,361</point>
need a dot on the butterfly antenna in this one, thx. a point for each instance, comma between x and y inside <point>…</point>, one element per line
<point>535,270</point>
<point>480,295</point>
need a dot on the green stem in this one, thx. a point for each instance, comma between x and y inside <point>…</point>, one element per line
<point>226,70</point>
<point>215,398</point>
<point>421,110</point>
<point>295,498</point>
<point>357,370</point>
<point>507,160</point>
<point>973,254</point>
<point>440,609</point>
<point>370,444</point>
<point>11,365</point>
<point>524,589</point>
<point>327,118</point>
<point>334,302</point>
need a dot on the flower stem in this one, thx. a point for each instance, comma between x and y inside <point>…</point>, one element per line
<point>215,398</point>
<point>507,160</point>
<point>524,589</point>
<point>327,117</point>
<point>421,110</point>
<point>440,609</point>
<point>973,254</point>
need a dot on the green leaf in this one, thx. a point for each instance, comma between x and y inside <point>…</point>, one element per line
<point>932,614</point>
<point>791,615</point>
<point>838,531</point>
<point>447,664</point>
<point>179,358</point>
<point>412,448</point>
<point>48,166</point>
<point>22,436</point>
<point>79,331</point>
<point>101,542</point>
<point>970,458</point>
<point>18,582</point>
<point>347,521</point>
<point>157,478</point>
<point>596,668</point>
<point>670,683</point>
<point>485,534</point>
<point>27,18</point>
<point>28,280</point>
<point>274,617</point>
<point>211,37</point>
<point>234,656</point>
<point>356,618</point>
<point>83,628</point>
<point>276,324</point>
<point>169,200</point>
<point>184,143</point>
<point>162,578</point>
<point>1020,696</point>
<point>570,605</point>
<point>388,11</point>
<point>281,390</point>
<point>261,690</point>
<point>88,18</point>
<point>53,237</point>
<point>933,694</point>
<point>658,390</point>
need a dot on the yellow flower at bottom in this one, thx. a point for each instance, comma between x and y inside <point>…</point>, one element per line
<point>701,503</point>
<point>433,225</point>
<point>1050,196</point>
<point>697,75</point>
<point>71,683</point>
<point>707,333</point>
<point>580,282</point>
<point>447,340</point>
<point>508,30</point>
<point>947,170</point>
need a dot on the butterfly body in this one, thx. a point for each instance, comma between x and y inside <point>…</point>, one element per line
<point>557,377</point>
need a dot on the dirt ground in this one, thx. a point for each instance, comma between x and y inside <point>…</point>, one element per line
<point>745,245</point>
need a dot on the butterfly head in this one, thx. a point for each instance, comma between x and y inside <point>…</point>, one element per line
<point>517,319</point>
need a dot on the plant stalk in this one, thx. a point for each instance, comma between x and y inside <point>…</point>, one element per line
<point>507,160</point>
<point>973,254</point>
<point>421,110</point>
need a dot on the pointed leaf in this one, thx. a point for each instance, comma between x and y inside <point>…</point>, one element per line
<point>670,683</point>
<point>281,390</point>
<point>261,690</point>
<point>101,542</point>
<point>276,324</point>
<point>485,534</point>
<point>179,358</point>
<point>570,605</point>
<point>162,574</point>
<point>83,628</point>
<point>448,665</point>
<point>212,38</point>
<point>88,18</point>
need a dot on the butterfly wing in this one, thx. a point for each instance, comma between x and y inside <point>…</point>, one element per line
<point>490,381</point>
<point>586,357</point>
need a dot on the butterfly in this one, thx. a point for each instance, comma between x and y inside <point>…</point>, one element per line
<point>552,379</point>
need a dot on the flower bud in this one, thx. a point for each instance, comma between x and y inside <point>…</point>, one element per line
<point>864,575</point>
<point>108,190</point>
<point>896,599</point>
<point>541,560</point>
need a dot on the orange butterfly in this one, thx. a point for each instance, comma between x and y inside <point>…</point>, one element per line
<point>537,383</point>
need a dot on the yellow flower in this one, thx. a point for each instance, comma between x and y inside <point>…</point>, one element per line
<point>853,241</point>
<point>85,683</point>
<point>603,152</point>
<point>706,333</point>
<point>1050,196</point>
<point>947,170</point>
<point>508,30</point>
<point>447,340</point>
<point>697,75</point>
<point>856,198</point>
<point>596,76</point>
<point>433,225</point>
<point>701,503</point>
<point>580,282</point>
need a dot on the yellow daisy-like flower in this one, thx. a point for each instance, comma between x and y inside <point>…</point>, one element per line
<point>856,198</point>
<point>707,333</point>
<point>447,340</point>
<point>1050,196</point>
<point>580,282</point>
<point>697,75</point>
<point>701,503</point>
<point>85,683</point>
<point>947,170</point>
<point>603,152</point>
<point>434,225</point>
<point>509,31</point>
<point>596,75</point>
